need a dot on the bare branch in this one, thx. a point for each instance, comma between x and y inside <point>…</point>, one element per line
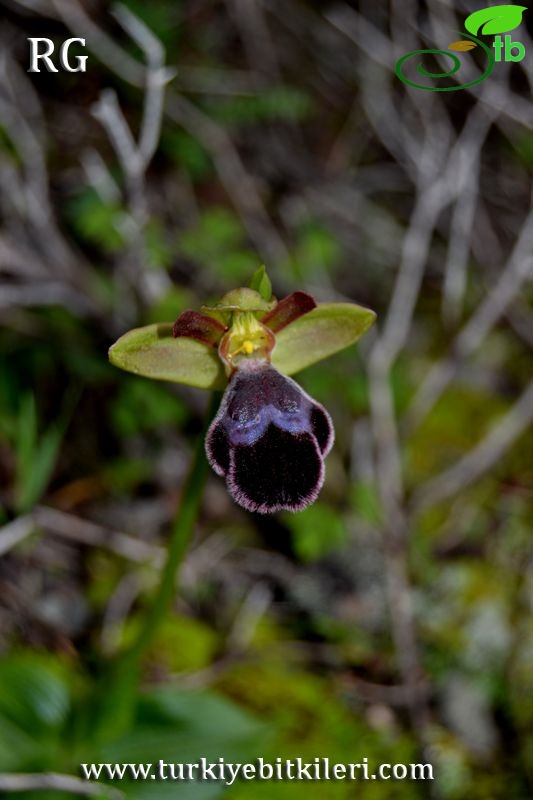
<point>99,176</point>
<point>157,78</point>
<point>22,782</point>
<point>15,532</point>
<point>479,122</point>
<point>410,273</point>
<point>111,54</point>
<point>36,189</point>
<point>255,35</point>
<point>117,610</point>
<point>361,461</point>
<point>388,459</point>
<point>46,293</point>
<point>72,527</point>
<point>240,186</point>
<point>479,460</point>
<point>254,606</point>
<point>107,111</point>
<point>503,293</point>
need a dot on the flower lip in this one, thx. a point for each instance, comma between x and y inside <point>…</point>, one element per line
<point>269,439</point>
<point>292,483</point>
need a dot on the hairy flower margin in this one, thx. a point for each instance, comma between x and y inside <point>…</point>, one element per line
<point>269,437</point>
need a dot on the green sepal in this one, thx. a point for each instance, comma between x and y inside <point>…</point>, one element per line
<point>260,282</point>
<point>325,330</point>
<point>153,352</point>
<point>242,299</point>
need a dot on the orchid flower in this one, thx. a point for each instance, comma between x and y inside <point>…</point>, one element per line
<point>269,438</point>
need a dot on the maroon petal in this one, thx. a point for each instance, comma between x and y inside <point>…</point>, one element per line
<point>287,310</point>
<point>281,471</point>
<point>198,326</point>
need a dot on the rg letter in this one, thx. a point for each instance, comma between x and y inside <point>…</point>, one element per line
<point>42,48</point>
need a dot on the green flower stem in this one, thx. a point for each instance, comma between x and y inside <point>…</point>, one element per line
<point>120,693</point>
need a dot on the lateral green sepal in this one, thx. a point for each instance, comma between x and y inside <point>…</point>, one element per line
<point>320,333</point>
<point>153,352</point>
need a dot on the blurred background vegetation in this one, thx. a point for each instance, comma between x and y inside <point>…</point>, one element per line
<point>392,619</point>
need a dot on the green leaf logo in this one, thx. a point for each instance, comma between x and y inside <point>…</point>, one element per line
<point>496,19</point>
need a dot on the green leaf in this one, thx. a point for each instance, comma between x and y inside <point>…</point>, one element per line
<point>153,352</point>
<point>193,724</point>
<point>96,221</point>
<point>367,503</point>
<point>34,708</point>
<point>36,454</point>
<point>184,150</point>
<point>261,283</point>
<point>143,405</point>
<point>34,692</point>
<point>496,19</point>
<point>325,330</point>
<point>316,531</point>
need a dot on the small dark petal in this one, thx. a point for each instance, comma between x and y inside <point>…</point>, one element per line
<point>198,326</point>
<point>281,471</point>
<point>287,310</point>
<point>322,428</point>
<point>217,448</point>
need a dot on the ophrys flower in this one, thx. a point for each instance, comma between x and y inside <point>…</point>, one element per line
<point>269,437</point>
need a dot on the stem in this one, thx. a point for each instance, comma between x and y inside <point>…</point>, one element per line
<point>119,696</point>
<point>182,531</point>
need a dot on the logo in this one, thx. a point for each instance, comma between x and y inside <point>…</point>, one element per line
<point>488,21</point>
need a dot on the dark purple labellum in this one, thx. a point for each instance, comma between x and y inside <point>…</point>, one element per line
<point>269,440</point>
